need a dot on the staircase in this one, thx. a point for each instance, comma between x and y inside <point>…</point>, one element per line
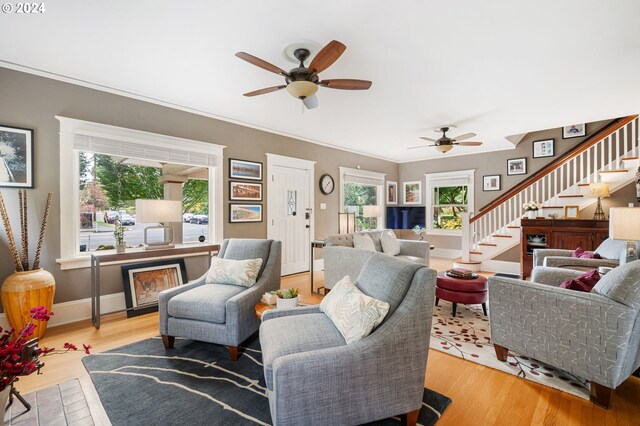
<point>611,155</point>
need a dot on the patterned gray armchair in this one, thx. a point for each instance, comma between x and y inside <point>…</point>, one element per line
<point>592,335</point>
<point>220,313</point>
<point>314,378</point>
<point>613,252</point>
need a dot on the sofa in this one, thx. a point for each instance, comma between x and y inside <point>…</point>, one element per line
<point>341,258</point>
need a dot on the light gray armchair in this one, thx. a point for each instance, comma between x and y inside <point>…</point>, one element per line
<point>220,313</point>
<point>613,252</point>
<point>314,378</point>
<point>593,335</point>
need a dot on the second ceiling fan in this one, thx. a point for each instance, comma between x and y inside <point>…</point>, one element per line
<point>445,143</point>
<point>303,82</point>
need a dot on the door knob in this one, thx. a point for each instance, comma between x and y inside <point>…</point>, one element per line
<point>294,213</point>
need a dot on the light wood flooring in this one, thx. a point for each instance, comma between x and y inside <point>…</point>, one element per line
<point>481,395</point>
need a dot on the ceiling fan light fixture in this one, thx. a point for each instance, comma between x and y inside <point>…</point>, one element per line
<point>444,148</point>
<point>302,89</point>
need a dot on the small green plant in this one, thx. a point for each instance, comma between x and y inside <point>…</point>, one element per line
<point>118,233</point>
<point>419,231</point>
<point>287,293</point>
<point>105,247</point>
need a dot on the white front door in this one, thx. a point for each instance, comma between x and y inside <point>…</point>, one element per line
<point>289,209</point>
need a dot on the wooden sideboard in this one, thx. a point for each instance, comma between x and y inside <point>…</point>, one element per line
<point>558,234</point>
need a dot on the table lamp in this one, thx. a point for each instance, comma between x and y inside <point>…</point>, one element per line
<point>346,223</point>
<point>158,211</point>
<point>600,190</point>
<point>624,224</point>
<point>371,212</point>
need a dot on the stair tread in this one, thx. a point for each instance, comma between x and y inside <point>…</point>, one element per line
<point>630,158</point>
<point>584,184</point>
<point>475,252</point>
<point>488,244</point>
<point>502,236</point>
<point>514,227</point>
<point>614,171</point>
<point>570,196</point>
<point>471,262</point>
<point>553,207</point>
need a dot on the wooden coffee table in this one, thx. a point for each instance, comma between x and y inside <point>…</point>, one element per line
<point>303,299</point>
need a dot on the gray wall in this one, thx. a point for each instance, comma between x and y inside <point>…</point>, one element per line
<point>492,163</point>
<point>32,102</point>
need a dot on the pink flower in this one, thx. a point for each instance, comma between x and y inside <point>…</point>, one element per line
<point>86,348</point>
<point>41,313</point>
<point>70,346</point>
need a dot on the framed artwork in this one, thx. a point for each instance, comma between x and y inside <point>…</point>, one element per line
<point>412,192</point>
<point>392,193</point>
<point>491,183</point>
<point>543,148</point>
<point>245,191</point>
<point>574,131</point>
<point>572,212</point>
<point>517,166</point>
<point>242,213</point>
<point>16,157</point>
<point>241,169</point>
<point>144,281</point>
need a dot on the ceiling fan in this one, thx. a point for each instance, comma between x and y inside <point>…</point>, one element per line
<point>302,82</point>
<point>444,144</point>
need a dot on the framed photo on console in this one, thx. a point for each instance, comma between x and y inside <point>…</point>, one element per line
<point>491,183</point>
<point>16,157</point>
<point>543,148</point>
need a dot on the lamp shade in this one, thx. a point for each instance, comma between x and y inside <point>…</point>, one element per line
<point>600,189</point>
<point>302,89</point>
<point>444,148</point>
<point>624,223</point>
<point>155,211</point>
<point>371,211</point>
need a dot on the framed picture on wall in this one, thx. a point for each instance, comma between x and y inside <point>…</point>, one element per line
<point>543,148</point>
<point>144,281</point>
<point>243,213</point>
<point>16,157</point>
<point>241,169</point>
<point>245,191</point>
<point>491,183</point>
<point>517,166</point>
<point>412,192</point>
<point>392,193</point>
<point>574,131</point>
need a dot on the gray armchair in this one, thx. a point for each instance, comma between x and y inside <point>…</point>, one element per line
<point>220,313</point>
<point>314,378</point>
<point>594,335</point>
<point>613,252</point>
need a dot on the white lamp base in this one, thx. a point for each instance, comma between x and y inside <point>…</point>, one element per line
<point>165,244</point>
<point>632,254</point>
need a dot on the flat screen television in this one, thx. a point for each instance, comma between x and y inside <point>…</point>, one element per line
<point>405,217</point>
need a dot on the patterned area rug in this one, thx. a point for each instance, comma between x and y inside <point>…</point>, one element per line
<point>467,336</point>
<point>195,384</point>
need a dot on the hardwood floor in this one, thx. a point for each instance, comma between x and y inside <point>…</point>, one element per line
<point>481,395</point>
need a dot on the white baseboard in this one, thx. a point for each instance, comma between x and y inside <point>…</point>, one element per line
<point>446,253</point>
<point>318,264</point>
<point>501,266</point>
<point>77,310</point>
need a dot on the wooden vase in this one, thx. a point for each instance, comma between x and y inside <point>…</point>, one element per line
<point>22,291</point>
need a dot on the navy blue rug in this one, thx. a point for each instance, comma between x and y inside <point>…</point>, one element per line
<point>195,384</point>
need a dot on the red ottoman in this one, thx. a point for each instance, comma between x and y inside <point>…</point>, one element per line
<point>458,290</point>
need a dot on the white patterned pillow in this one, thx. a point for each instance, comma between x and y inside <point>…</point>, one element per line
<point>234,272</point>
<point>390,244</point>
<point>363,242</point>
<point>353,313</point>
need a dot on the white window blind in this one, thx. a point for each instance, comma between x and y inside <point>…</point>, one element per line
<point>449,181</point>
<point>363,178</point>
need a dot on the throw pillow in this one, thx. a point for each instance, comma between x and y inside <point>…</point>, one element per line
<point>390,244</point>
<point>233,272</point>
<point>363,242</point>
<point>578,252</point>
<point>353,313</point>
<point>584,282</point>
<point>581,254</point>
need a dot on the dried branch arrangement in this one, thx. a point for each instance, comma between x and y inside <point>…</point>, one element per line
<point>21,258</point>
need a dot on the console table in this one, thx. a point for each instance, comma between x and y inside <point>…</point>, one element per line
<point>99,259</point>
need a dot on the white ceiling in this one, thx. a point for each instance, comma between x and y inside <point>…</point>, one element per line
<point>493,67</point>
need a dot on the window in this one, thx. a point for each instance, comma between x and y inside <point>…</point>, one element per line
<point>103,169</point>
<point>448,195</point>
<point>361,192</point>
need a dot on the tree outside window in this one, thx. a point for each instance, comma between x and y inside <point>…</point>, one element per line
<point>448,203</point>
<point>356,196</point>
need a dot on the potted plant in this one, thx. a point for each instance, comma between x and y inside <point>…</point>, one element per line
<point>419,231</point>
<point>118,233</point>
<point>531,209</point>
<point>287,298</point>
<point>29,285</point>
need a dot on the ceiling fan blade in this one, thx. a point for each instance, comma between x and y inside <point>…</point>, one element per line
<point>327,56</point>
<point>463,137</point>
<point>428,139</point>
<point>346,84</point>
<point>468,143</point>
<point>420,146</point>
<point>311,102</point>
<point>265,90</point>
<point>261,63</point>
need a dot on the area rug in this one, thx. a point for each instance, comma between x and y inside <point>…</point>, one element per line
<point>195,384</point>
<point>467,336</point>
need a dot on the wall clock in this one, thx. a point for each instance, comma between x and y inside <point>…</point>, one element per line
<point>327,185</point>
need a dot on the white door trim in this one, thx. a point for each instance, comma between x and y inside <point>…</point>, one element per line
<point>299,163</point>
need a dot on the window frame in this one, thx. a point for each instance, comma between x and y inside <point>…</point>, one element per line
<point>434,180</point>
<point>70,256</point>
<point>380,193</point>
